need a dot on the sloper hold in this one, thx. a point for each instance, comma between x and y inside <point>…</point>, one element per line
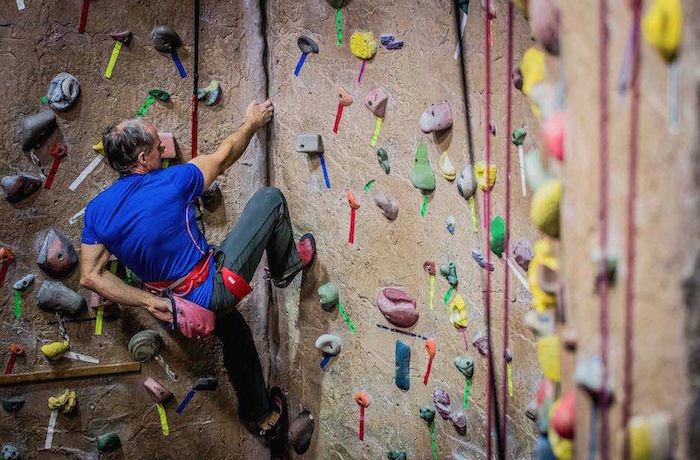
<point>329,296</point>
<point>165,39</point>
<point>544,208</point>
<point>108,442</point>
<point>64,90</point>
<point>329,344</point>
<point>18,188</point>
<point>466,182</point>
<point>54,351</point>
<point>376,102</point>
<point>436,118</point>
<point>309,143</point>
<point>563,415</point>
<point>55,296</point>
<point>307,45</point>
<point>145,345</point>
<point>37,128</point>
<point>301,431</point>
<point>363,45</point>
<point>422,176</point>
<point>662,26</point>
<point>396,455</point>
<point>398,307</point>
<point>403,364</point>
<point>388,205</point>
<point>13,405</point>
<point>123,36</point>
<point>65,402</point>
<point>465,366</point>
<point>497,236</point>
<point>57,257</point>
<point>158,392</point>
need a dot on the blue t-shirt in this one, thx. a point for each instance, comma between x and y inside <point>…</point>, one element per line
<point>140,219</point>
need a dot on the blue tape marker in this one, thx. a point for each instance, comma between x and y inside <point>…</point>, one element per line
<point>185,402</point>
<point>178,64</point>
<point>326,358</point>
<point>325,171</point>
<point>300,64</point>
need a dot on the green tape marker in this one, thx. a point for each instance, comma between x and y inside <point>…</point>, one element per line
<point>18,303</point>
<point>509,369</point>
<point>424,206</point>
<point>369,185</point>
<point>433,441</point>
<point>347,319</point>
<point>475,220</point>
<point>448,294</point>
<point>339,26</point>
<point>44,100</point>
<point>467,390</point>
<point>163,420</point>
<point>99,320</point>
<point>143,110</point>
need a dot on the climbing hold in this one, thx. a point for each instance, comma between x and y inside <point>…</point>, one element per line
<point>388,205</point>
<point>329,296</point>
<point>531,410</point>
<point>442,402</point>
<point>395,45</point>
<point>466,182</point>
<point>338,3</point>
<point>543,450</point>
<point>212,93</point>
<point>383,159</point>
<point>553,131</point>
<point>532,67</point>
<point>108,442</point>
<point>535,171</point>
<point>497,235</point>
<point>465,366</point>
<point>518,136</point>
<point>544,22</point>
<point>517,77</point>
<point>522,254</point>
<point>23,284</point>
<point>541,299</point>
<point>55,296</point>
<point>541,324</point>
<point>13,405</point>
<point>124,37</point>
<point>165,39</point>
<point>362,398</point>
<point>450,224</point>
<point>55,350</point>
<point>445,167</point>
<point>159,94</point>
<point>403,363</point>
<point>588,376</point>
<point>492,128</point>
<point>385,39</point>
<point>480,174</point>
<point>301,431</point>
<point>363,45</point>
<point>396,455</point>
<point>37,128</point>
<point>449,271</point>
<point>549,357</point>
<point>427,414</point>
<point>344,98</point>
<point>63,91</point>
<point>309,143</point>
<point>422,177</point>
<point>398,307</point>
<point>205,384</point>
<point>212,197</point>
<point>145,345</point>
<point>481,261</point>
<point>436,118</point>
<point>65,402</point>
<point>307,44</point>
<point>430,267</point>
<point>158,392</point>
<point>459,421</point>
<point>481,342</point>
<point>9,452</point>
<point>57,257</point>
<point>376,102</point>
<point>17,188</point>
<point>458,312</point>
<point>352,200</point>
<point>662,26</point>
<point>329,344</point>
<point>544,209</point>
<point>563,415</point>
<point>651,437</point>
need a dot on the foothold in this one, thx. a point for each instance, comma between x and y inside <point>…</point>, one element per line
<point>481,342</point>
<point>563,415</point>
<point>459,421</point>
<point>398,307</point>
<point>108,442</point>
<point>363,45</point>
<point>16,349</point>
<point>422,177</point>
<point>508,355</point>
<point>396,455</point>
<point>553,131</point>
<point>13,405</point>
<point>329,344</point>
<point>57,257</point>
<point>307,45</point>
<point>541,324</point>
<point>403,363</point>
<point>383,159</point>
<point>388,205</point>
<point>481,260</point>
<point>436,118</point>
<point>9,452</point>
<point>205,384</point>
<point>430,267</point>
<point>517,77</point>
<point>212,197</point>
<point>497,236</point>
<point>211,93</point>
<point>449,271</point>
<point>64,403</point>
<point>445,167</point>
<point>124,37</point>
<point>480,174</point>
<point>6,256</point>
<point>55,296</point>
<point>450,224</point>
<point>362,399</point>
<point>63,91</point>
<point>37,128</point>
<point>385,39</point>
<point>165,39</point>
<point>376,102</point>
<point>329,296</point>
<point>465,366</point>
<point>544,209</point>
<point>344,98</point>
<point>427,414</point>
<point>309,143</point>
<point>518,136</point>
<point>588,376</point>
<point>145,345</point>
<point>458,312</point>
<point>301,431</point>
<point>17,188</point>
<point>544,22</point>
<point>430,347</point>
<point>466,182</point>
<point>158,392</point>
<point>352,200</point>
<point>651,437</point>
<point>662,27</point>
<point>54,351</point>
<point>532,66</point>
<point>395,45</point>
<point>159,94</point>
<point>522,254</point>
<point>442,402</point>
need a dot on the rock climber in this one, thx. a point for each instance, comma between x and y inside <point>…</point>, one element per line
<point>146,219</point>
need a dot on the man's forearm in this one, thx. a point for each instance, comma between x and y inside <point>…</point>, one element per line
<point>109,286</point>
<point>235,144</point>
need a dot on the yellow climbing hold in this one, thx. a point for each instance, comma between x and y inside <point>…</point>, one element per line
<point>549,357</point>
<point>650,437</point>
<point>562,448</point>
<point>363,45</point>
<point>55,350</point>
<point>99,148</point>
<point>532,67</point>
<point>542,256</point>
<point>480,174</point>
<point>445,167</point>
<point>662,27</point>
<point>458,312</point>
<point>544,208</point>
<point>65,403</point>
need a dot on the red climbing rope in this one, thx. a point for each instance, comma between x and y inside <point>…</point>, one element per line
<point>631,226</point>
<point>603,215</point>
<point>506,307</point>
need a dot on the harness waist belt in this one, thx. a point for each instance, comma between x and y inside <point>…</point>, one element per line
<point>184,285</point>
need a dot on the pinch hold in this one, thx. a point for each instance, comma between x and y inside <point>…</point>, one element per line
<point>329,296</point>
<point>445,167</point>
<point>403,363</point>
<point>383,159</point>
<point>388,205</point>
<point>63,91</point>
<point>329,344</point>
<point>18,188</point>
<point>57,257</point>
<point>55,350</point>
<point>398,307</point>
<point>65,402</point>
<point>55,296</point>
<point>165,39</point>
<point>466,182</point>
<point>437,118</point>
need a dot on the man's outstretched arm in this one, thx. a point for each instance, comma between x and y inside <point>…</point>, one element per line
<point>94,276</point>
<point>231,149</point>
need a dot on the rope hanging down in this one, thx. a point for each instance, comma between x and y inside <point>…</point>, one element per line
<point>195,80</point>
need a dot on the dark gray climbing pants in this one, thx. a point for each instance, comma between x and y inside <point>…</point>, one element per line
<point>263,226</point>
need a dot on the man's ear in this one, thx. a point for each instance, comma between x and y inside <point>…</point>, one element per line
<point>141,158</point>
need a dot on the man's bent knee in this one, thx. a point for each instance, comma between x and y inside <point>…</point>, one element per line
<point>269,196</point>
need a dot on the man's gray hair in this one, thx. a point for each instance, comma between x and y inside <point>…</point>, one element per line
<point>124,141</point>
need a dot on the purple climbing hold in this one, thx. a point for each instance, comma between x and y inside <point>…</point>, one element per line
<point>395,45</point>
<point>522,254</point>
<point>386,39</point>
<point>442,402</point>
<point>481,261</point>
<point>459,421</point>
<point>481,342</point>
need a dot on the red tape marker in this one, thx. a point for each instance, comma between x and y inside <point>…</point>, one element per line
<point>15,351</point>
<point>362,400</point>
<point>6,258</point>
<point>83,16</point>
<point>338,116</point>
<point>351,236</point>
<point>10,364</point>
<point>431,349</point>
<point>58,152</point>
<point>362,423</point>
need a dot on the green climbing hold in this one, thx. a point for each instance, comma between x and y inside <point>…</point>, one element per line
<point>422,177</point>
<point>427,414</point>
<point>329,296</point>
<point>465,366</point>
<point>449,271</point>
<point>498,232</point>
<point>108,442</point>
<point>383,159</point>
<point>396,455</point>
<point>160,94</point>
<point>518,136</point>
